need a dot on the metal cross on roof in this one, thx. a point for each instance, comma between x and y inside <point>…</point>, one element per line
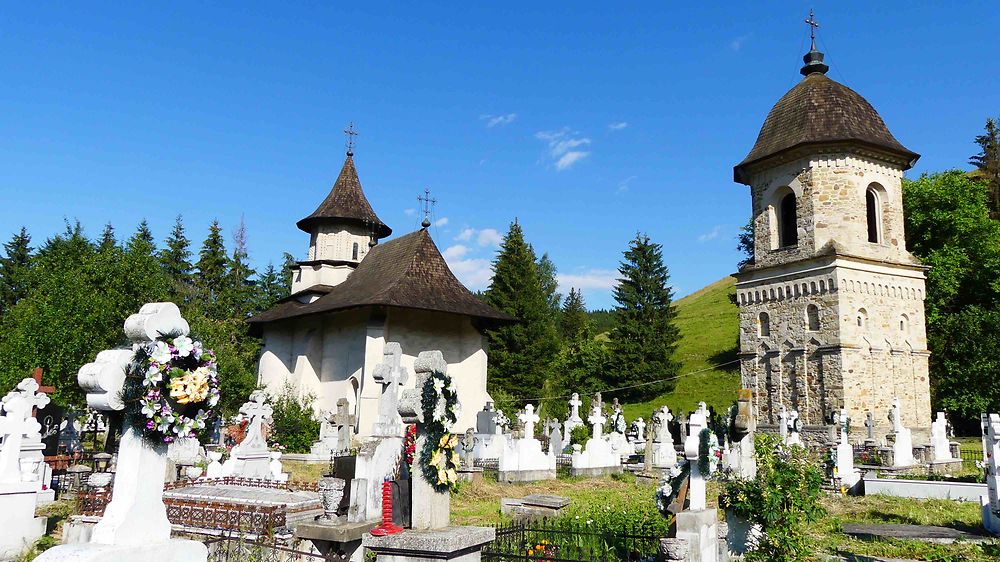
<point>428,204</point>
<point>351,133</point>
<point>813,24</point>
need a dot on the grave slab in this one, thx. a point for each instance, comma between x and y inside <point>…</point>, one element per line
<point>459,544</point>
<point>928,533</point>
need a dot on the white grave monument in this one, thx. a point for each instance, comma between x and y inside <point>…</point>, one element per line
<point>939,438</point>
<point>574,420</point>
<point>664,452</point>
<point>31,459</point>
<point>390,375</point>
<point>698,524</point>
<point>597,457</point>
<point>902,446</point>
<point>619,443</point>
<point>524,460</point>
<point>991,453</point>
<point>783,423</point>
<point>794,425</point>
<point>251,458</point>
<point>848,475</point>
<point>491,441</point>
<point>134,526</point>
<point>18,487</point>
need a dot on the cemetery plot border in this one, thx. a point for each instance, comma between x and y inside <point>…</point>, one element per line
<point>239,549</point>
<point>568,541</point>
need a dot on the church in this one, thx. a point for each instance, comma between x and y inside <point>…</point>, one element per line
<point>831,305</point>
<point>353,294</point>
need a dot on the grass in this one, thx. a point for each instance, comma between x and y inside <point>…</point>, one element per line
<point>305,472</point>
<point>709,326</point>
<point>479,503</point>
<point>887,509</point>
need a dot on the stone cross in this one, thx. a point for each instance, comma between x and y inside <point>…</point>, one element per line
<point>15,425</point>
<point>870,425</point>
<point>782,423</point>
<point>640,428</point>
<point>389,374</point>
<point>651,431</point>
<point>597,419</point>
<point>69,435</point>
<point>661,424</point>
<point>574,407</point>
<point>840,418</point>
<point>896,416</point>
<point>939,438</point>
<point>529,418</point>
<point>597,400</point>
<point>703,409</point>
<point>36,374</point>
<point>991,455</point>
<point>344,421</point>
<point>257,411</point>
<point>469,441</point>
<point>692,446</point>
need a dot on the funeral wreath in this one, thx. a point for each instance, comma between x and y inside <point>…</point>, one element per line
<point>171,389</point>
<point>439,460</point>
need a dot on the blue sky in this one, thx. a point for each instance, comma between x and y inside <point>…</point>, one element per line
<point>587,122</point>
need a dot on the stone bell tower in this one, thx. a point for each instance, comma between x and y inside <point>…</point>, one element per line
<point>831,306</point>
<point>341,231</point>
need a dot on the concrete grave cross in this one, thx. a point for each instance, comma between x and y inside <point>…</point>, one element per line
<point>692,449</point>
<point>36,374</point>
<point>389,374</point>
<point>257,410</point>
<point>344,421</point>
<point>574,407</point>
<point>896,416</point>
<point>782,423</point>
<point>640,428</point>
<point>597,419</point>
<point>469,441</point>
<point>14,425</point>
<point>870,425</point>
<point>529,418</point>
<point>662,419</point>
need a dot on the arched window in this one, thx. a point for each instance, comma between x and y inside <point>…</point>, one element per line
<point>862,318</point>
<point>763,325</point>
<point>873,205</point>
<point>812,317</point>
<point>904,322</point>
<point>788,233</point>
<point>354,252</point>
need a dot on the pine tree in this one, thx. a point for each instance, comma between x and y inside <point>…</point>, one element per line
<point>108,240</point>
<point>14,269</point>
<point>142,242</point>
<point>573,320</point>
<point>176,257</point>
<point>520,355</point>
<point>643,340</point>
<point>211,266</point>
<point>988,163</point>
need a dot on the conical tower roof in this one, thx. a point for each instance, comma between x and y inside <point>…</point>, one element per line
<point>346,203</point>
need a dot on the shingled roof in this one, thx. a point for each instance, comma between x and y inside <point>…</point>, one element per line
<point>346,202</point>
<point>819,110</point>
<point>408,272</point>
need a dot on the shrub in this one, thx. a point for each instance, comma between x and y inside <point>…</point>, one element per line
<point>294,425</point>
<point>579,435</point>
<point>782,500</point>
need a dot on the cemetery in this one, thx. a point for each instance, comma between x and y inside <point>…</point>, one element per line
<point>371,402</point>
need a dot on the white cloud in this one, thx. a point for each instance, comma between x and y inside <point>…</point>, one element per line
<point>618,126</point>
<point>466,234</point>
<point>455,252</point>
<point>737,44</point>
<point>501,120</point>
<point>561,144</point>
<point>711,235</point>
<point>489,237</point>
<point>409,212</point>
<point>473,273</point>
<point>624,184</point>
<point>441,221</point>
<point>599,279</point>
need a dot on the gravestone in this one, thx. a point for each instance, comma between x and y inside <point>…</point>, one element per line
<point>991,454</point>
<point>849,477</point>
<point>574,420</point>
<point>616,435</point>
<point>524,460</point>
<point>343,424</point>
<point>486,420</point>
<point>389,374</point>
<point>902,446</point>
<point>596,457</point>
<point>698,525</point>
<point>489,432</point>
<point>741,456</point>
<point>783,424</point>
<point>870,441</point>
<point>939,438</point>
<point>794,427</point>
<point>69,433</point>
<point>134,526</point>
<point>556,444</point>
<point>18,487</point>
<point>664,453</point>
<point>251,458</point>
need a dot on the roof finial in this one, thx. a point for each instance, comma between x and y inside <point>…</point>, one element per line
<point>428,204</point>
<point>813,59</point>
<point>351,133</point>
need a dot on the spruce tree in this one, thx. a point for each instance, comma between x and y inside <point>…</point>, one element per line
<point>521,354</point>
<point>988,163</point>
<point>644,337</point>
<point>15,266</point>
<point>142,242</point>
<point>108,240</point>
<point>270,288</point>
<point>237,295</point>
<point>211,266</point>
<point>176,257</point>
<point>287,270</point>
<point>550,285</point>
<point>573,320</point>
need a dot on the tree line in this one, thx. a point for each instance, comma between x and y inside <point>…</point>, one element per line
<point>66,299</point>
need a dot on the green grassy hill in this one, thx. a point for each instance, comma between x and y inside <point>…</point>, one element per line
<point>709,324</point>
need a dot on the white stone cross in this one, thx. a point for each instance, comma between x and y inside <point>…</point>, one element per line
<point>991,455</point>
<point>344,421</point>
<point>597,419</point>
<point>257,410</point>
<point>782,423</point>
<point>389,374</point>
<point>662,419</point>
<point>939,438</point>
<point>16,422</point>
<point>574,407</point>
<point>702,409</point>
<point>640,427</point>
<point>896,416</point>
<point>529,418</point>
<point>692,447</point>
<point>841,419</point>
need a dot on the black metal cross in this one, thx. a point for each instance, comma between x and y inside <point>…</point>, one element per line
<point>428,203</point>
<point>351,133</point>
<point>813,24</point>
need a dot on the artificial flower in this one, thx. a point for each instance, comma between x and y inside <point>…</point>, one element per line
<point>160,353</point>
<point>183,345</point>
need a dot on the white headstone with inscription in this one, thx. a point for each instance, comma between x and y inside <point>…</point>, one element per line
<point>939,438</point>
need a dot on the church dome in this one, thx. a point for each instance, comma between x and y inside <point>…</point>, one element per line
<point>819,110</point>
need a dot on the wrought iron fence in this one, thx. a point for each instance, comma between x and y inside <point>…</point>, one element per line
<point>294,485</point>
<point>970,457</point>
<point>239,549</point>
<point>568,541</point>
